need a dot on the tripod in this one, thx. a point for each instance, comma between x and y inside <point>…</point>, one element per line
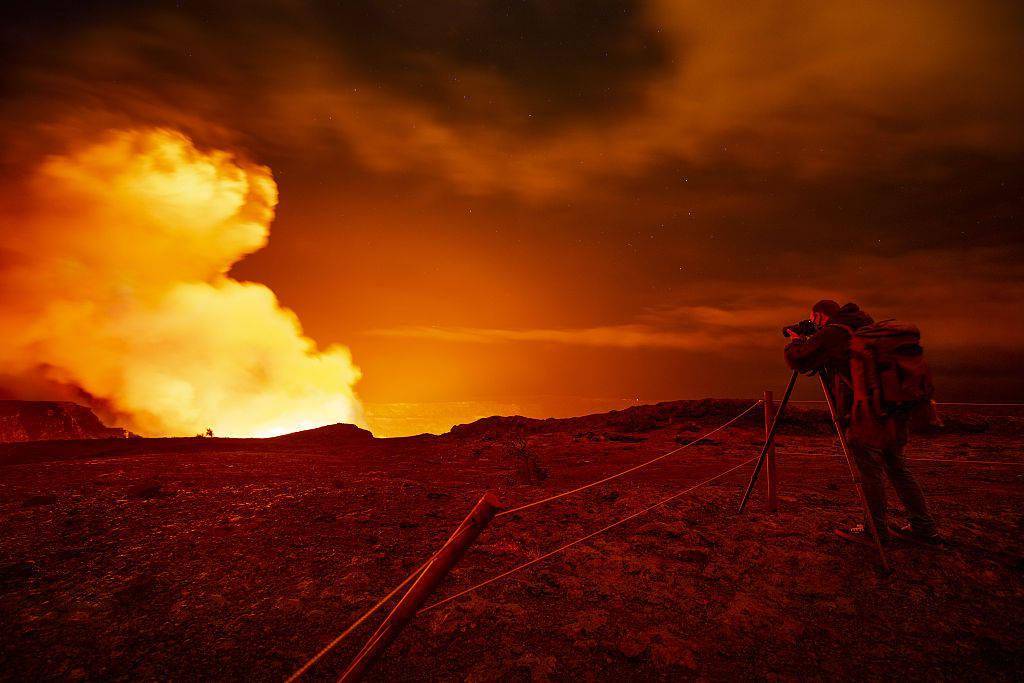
<point>869,520</point>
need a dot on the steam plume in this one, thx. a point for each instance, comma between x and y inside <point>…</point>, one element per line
<point>117,284</point>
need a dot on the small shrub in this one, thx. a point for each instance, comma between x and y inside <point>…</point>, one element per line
<point>525,461</point>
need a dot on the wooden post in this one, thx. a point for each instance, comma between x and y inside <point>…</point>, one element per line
<point>768,441</point>
<point>769,415</point>
<point>423,586</point>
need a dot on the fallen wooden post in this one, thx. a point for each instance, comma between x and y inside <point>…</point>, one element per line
<point>769,416</point>
<point>424,585</point>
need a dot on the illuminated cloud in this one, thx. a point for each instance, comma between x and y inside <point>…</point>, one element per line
<point>614,336</point>
<point>685,328</point>
<point>119,289</point>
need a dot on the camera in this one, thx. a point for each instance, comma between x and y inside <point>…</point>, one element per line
<point>804,328</point>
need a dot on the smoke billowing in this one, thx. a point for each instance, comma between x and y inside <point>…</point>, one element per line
<point>116,284</point>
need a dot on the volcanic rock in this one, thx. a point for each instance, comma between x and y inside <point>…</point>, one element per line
<point>326,436</point>
<point>52,420</point>
<point>637,419</point>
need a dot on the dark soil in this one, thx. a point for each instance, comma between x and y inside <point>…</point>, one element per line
<point>239,559</point>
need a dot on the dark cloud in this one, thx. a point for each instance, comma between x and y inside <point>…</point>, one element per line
<point>538,98</point>
<point>560,59</point>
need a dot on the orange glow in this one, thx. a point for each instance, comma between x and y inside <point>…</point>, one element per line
<point>122,292</point>
<point>495,209</point>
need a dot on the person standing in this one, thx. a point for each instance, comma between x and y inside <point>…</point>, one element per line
<point>876,438</point>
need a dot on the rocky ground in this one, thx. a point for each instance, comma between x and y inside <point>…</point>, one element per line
<point>239,559</point>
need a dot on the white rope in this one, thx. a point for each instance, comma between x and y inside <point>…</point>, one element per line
<point>560,549</point>
<point>366,615</point>
<point>629,470</point>
<point>358,622</point>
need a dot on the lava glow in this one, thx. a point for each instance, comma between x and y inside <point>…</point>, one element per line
<point>120,289</point>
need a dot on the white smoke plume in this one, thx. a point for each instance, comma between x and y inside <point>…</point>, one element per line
<point>116,284</point>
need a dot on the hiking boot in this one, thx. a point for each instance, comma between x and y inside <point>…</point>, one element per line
<point>931,537</point>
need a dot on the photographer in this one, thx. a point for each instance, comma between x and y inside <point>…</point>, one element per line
<point>876,440</point>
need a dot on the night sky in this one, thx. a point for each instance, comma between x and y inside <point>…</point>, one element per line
<point>552,207</point>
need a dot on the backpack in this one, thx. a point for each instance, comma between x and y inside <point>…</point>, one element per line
<point>888,368</point>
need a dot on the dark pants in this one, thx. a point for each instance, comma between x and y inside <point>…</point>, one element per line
<point>872,463</point>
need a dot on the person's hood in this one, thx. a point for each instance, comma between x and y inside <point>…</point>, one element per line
<point>851,316</point>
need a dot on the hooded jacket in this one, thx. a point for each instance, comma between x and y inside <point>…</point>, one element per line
<point>829,349</point>
<point>830,346</point>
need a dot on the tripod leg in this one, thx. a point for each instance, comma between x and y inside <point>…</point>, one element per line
<point>769,440</point>
<point>869,520</point>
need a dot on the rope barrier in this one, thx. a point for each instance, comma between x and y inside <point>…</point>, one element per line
<point>565,547</point>
<point>629,470</point>
<point>366,615</point>
<point>370,612</point>
<point>520,567</point>
<point>357,623</point>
